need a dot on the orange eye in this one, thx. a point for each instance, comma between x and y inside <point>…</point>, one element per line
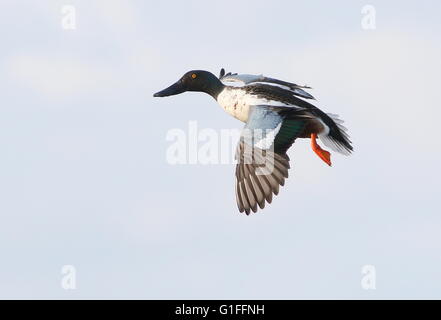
<point>193,76</point>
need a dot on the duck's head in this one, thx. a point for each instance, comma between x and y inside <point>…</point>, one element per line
<point>195,80</point>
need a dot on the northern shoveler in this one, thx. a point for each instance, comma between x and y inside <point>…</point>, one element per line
<point>275,114</point>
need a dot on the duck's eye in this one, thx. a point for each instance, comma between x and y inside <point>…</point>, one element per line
<point>193,76</point>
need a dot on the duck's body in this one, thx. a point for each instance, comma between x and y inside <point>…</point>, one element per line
<point>237,100</point>
<point>275,114</point>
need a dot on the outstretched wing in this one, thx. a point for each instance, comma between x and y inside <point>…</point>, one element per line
<point>245,79</point>
<point>262,163</point>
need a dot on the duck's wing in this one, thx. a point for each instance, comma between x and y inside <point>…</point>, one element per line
<point>262,163</point>
<point>245,79</point>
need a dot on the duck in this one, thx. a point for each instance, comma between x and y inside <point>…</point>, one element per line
<point>275,114</point>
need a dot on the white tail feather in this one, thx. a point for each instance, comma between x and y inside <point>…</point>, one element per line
<point>330,142</point>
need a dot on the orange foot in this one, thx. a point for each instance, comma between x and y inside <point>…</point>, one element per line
<point>323,154</point>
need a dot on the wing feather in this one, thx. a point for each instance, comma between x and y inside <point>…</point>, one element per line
<point>245,79</point>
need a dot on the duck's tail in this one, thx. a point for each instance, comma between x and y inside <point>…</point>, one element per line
<point>337,138</point>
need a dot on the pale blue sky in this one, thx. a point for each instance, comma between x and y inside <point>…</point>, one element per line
<point>84,180</point>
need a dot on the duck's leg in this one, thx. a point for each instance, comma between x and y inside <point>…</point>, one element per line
<point>323,154</point>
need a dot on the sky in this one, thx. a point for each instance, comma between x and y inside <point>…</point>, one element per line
<point>85,181</point>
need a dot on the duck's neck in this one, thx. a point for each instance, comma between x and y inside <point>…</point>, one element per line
<point>214,87</point>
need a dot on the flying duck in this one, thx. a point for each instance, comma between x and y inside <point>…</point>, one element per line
<point>275,114</point>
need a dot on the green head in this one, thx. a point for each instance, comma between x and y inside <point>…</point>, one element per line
<point>195,80</point>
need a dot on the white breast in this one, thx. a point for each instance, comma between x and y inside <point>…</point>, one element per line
<point>237,103</point>
<point>234,102</point>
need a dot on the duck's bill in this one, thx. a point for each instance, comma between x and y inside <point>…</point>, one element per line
<point>175,88</point>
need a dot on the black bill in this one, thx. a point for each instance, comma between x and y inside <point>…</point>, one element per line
<point>175,88</point>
